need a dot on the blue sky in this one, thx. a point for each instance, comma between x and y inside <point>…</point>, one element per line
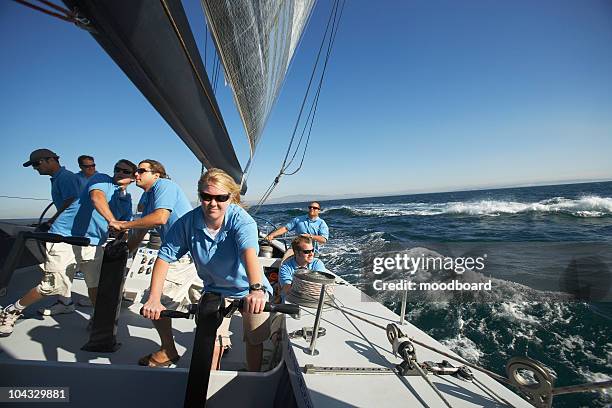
<point>419,96</point>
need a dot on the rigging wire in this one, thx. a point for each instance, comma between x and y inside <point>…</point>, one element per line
<point>64,13</point>
<point>313,108</point>
<point>25,198</point>
<point>329,21</point>
<point>315,105</point>
<point>333,24</point>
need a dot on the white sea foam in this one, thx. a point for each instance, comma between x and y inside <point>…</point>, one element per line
<point>585,207</point>
<point>465,347</point>
<point>515,312</point>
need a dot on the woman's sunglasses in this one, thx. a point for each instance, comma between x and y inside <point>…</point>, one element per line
<point>221,198</point>
<point>312,207</point>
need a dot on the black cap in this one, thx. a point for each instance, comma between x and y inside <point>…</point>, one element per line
<point>39,154</point>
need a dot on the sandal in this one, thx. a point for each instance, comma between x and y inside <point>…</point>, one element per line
<point>149,361</point>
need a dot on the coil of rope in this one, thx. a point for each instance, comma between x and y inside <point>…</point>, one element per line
<point>306,288</point>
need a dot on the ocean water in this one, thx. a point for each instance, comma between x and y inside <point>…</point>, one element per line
<point>573,339</point>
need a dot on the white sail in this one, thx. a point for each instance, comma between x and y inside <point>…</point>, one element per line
<point>256,40</point>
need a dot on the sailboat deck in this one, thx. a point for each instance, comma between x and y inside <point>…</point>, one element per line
<point>51,346</point>
<point>352,343</point>
<point>60,338</point>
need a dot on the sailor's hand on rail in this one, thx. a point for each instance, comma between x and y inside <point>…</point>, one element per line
<point>254,302</point>
<point>152,309</point>
<point>268,237</point>
<point>117,225</point>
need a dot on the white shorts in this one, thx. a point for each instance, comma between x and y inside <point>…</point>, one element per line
<point>182,286</point>
<point>62,261</point>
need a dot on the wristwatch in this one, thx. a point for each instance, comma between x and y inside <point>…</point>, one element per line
<point>257,286</point>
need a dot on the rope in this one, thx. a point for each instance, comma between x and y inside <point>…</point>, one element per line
<point>490,391</point>
<point>306,293</point>
<point>416,365</point>
<point>556,391</point>
<point>458,359</point>
<point>436,390</point>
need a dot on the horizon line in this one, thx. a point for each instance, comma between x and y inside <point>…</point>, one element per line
<point>442,191</point>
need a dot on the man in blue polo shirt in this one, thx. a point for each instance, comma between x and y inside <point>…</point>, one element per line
<point>304,258</point>
<point>89,216</point>
<point>163,203</point>
<point>64,183</point>
<point>309,225</point>
<point>88,170</point>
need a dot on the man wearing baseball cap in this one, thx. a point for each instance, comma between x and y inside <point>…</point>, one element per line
<point>64,183</point>
<point>88,216</point>
<point>65,190</point>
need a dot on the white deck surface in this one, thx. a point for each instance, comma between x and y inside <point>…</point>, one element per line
<point>350,342</point>
<point>60,338</point>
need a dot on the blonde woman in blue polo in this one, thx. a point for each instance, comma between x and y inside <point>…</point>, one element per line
<point>222,239</point>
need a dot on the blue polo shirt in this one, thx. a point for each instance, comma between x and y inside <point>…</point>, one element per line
<point>143,200</point>
<point>64,185</point>
<point>165,194</point>
<point>81,219</point>
<point>83,180</point>
<point>287,269</point>
<point>304,225</point>
<point>121,205</point>
<point>218,260</point>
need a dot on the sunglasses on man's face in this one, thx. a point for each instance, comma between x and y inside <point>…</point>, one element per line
<point>312,207</point>
<point>220,198</point>
<point>87,166</point>
<point>307,251</point>
<point>122,171</point>
<point>140,170</point>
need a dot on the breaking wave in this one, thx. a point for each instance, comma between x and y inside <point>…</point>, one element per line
<point>584,207</point>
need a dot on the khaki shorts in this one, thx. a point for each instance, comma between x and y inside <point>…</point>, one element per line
<point>182,286</point>
<point>256,328</point>
<point>62,261</point>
